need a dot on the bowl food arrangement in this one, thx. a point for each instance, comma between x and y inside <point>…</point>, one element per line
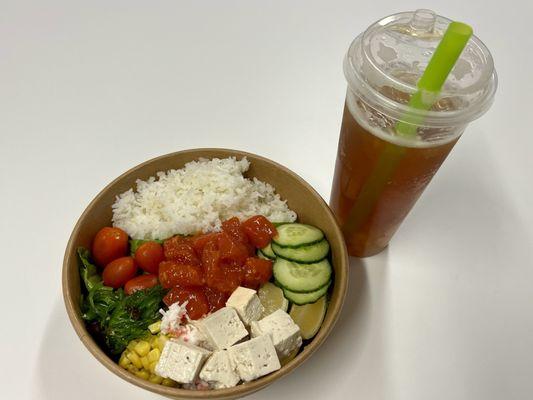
<point>205,273</point>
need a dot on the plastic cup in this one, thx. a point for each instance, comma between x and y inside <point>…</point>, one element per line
<point>380,172</point>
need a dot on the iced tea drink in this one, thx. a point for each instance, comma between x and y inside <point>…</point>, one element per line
<point>380,174</point>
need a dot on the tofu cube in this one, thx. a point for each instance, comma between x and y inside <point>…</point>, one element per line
<point>254,358</point>
<point>219,372</point>
<point>285,334</point>
<point>247,304</point>
<point>181,361</point>
<point>223,328</point>
<point>199,336</point>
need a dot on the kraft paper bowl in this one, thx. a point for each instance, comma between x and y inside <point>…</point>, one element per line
<point>300,196</point>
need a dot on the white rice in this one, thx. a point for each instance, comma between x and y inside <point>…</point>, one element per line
<point>196,198</point>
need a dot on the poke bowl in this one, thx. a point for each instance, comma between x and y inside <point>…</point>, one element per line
<point>194,327</point>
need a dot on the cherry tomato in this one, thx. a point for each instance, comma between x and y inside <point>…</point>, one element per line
<point>119,271</point>
<point>148,256</point>
<point>108,245</point>
<point>256,272</point>
<point>140,282</point>
<point>179,248</point>
<point>174,273</point>
<point>259,230</point>
<point>197,304</point>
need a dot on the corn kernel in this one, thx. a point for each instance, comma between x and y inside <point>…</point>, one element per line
<point>132,344</point>
<point>154,355</point>
<point>143,374</point>
<point>153,341</point>
<point>155,379</point>
<point>161,342</point>
<point>132,368</point>
<point>124,361</point>
<point>153,364</point>
<point>145,362</point>
<point>155,327</point>
<point>168,382</point>
<point>142,348</point>
<point>134,358</point>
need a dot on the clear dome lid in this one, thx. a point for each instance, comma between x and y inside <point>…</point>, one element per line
<point>384,64</point>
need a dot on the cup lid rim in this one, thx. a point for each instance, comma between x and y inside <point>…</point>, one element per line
<point>361,85</point>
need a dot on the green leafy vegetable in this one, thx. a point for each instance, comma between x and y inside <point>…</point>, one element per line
<point>131,317</point>
<point>121,318</point>
<point>136,243</point>
<point>100,303</point>
<point>88,271</point>
<point>100,300</point>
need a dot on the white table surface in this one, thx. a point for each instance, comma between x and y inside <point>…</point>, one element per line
<point>89,89</point>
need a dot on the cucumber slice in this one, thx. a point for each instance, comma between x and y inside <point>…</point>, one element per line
<point>306,298</point>
<point>261,255</point>
<point>301,278</point>
<point>309,317</point>
<point>267,251</point>
<point>304,254</point>
<point>296,235</point>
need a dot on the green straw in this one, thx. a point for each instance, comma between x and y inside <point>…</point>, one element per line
<point>430,83</point>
